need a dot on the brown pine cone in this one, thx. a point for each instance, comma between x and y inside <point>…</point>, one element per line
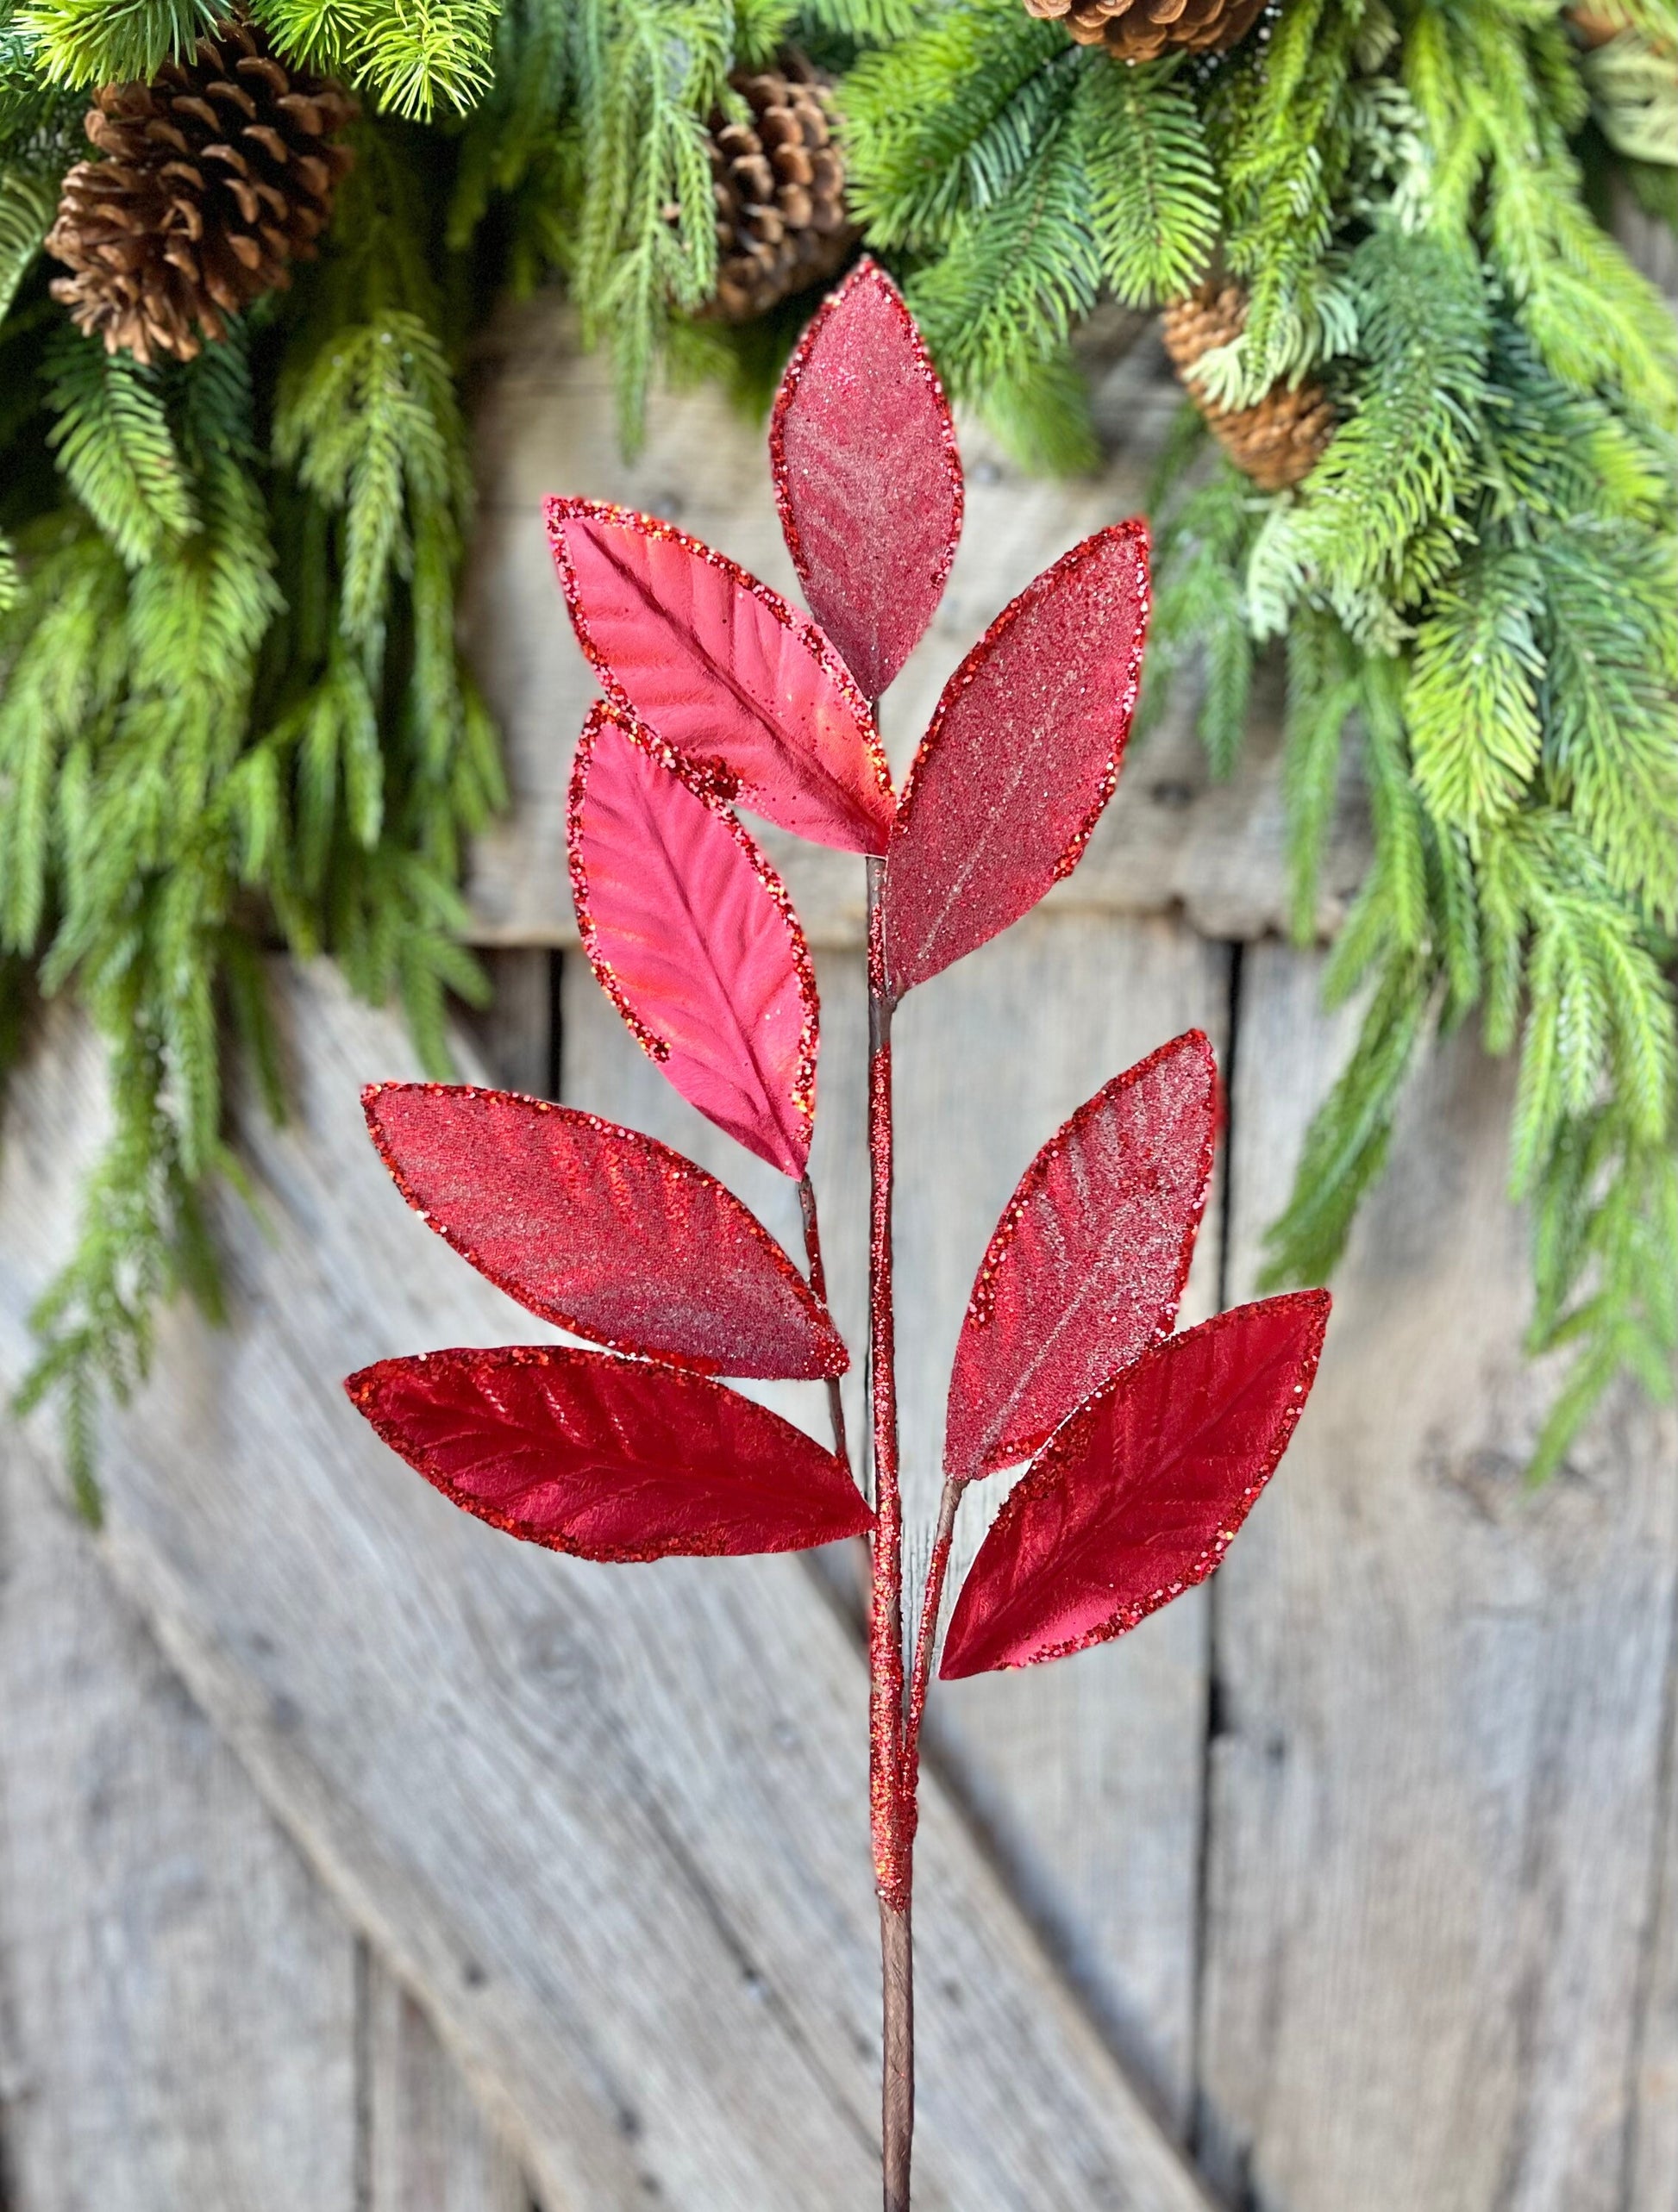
<point>1142,30</point>
<point>211,179</point>
<point>1279,440</point>
<point>780,184</point>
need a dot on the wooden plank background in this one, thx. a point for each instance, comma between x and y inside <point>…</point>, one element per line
<point>352,1856</point>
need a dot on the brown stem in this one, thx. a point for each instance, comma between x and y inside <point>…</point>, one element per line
<point>892,1812</point>
<point>897,1957</point>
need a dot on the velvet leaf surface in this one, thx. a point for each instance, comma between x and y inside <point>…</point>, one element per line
<point>722,671</point>
<point>608,1458</point>
<point>1088,1264</point>
<point>602,1231</point>
<point>694,938</point>
<point>867,477</point>
<point>1020,758</point>
<point>1139,1495</point>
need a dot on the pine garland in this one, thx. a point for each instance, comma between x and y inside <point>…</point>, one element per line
<point>232,706</point>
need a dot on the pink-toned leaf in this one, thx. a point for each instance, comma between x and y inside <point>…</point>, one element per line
<point>1088,1264</point>
<point>694,938</point>
<point>608,1458</point>
<point>721,669</point>
<point>1139,1495</point>
<point>1020,758</point>
<point>867,477</point>
<point>603,1231</point>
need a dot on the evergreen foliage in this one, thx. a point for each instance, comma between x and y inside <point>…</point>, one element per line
<point>233,712</point>
<point>1476,583</point>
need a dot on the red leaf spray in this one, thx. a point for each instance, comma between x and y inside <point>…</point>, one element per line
<point>1146,1450</point>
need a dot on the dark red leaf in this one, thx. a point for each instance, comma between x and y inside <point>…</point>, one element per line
<point>1140,1494</point>
<point>608,1458</point>
<point>695,940</point>
<point>867,477</point>
<point>601,1230</point>
<point>1088,1262</point>
<point>1021,756</point>
<point>724,671</point>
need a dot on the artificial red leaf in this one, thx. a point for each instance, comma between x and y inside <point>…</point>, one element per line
<point>693,937</point>
<point>722,670</point>
<point>1139,1495</point>
<point>1088,1264</point>
<point>601,1230</point>
<point>867,477</point>
<point>1020,758</point>
<point>608,1458</point>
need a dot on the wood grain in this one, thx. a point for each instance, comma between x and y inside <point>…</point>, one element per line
<point>1436,1822</point>
<point>428,2149</point>
<point>1173,840</point>
<point>1086,1776</point>
<point>179,1997</point>
<point>609,1825</point>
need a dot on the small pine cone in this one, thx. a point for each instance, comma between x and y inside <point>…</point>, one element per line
<point>211,180</point>
<point>1279,440</point>
<point>779,184</point>
<point>1142,30</point>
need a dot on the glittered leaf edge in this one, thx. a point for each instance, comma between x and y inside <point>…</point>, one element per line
<point>360,1387</point>
<point>1051,1466</point>
<point>703,786</point>
<point>721,781</point>
<point>667,1159</point>
<point>868,271</point>
<point>1133,531</point>
<point>1012,1449</point>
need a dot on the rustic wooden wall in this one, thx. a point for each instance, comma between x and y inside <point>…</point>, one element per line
<point>1350,1883</point>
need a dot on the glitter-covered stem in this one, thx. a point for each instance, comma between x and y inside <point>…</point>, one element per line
<point>812,1248</point>
<point>893,1813</point>
<point>926,1637</point>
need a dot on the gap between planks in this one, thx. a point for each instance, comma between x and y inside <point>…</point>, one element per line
<point>472,1742</point>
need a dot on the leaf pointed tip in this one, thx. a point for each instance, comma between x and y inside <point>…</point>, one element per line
<point>868,475</point>
<point>1139,1494</point>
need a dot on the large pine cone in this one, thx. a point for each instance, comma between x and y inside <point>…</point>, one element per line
<point>1142,30</point>
<point>1278,441</point>
<point>779,184</point>
<point>212,179</point>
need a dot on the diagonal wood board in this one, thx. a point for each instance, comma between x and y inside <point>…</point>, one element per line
<point>606,1824</point>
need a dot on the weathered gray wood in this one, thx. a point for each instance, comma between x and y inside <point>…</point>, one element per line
<point>1087,1775</point>
<point>610,1825</point>
<point>514,1032</point>
<point>1652,2155</point>
<point>428,2149</point>
<point>1172,840</point>
<point>1434,1816</point>
<point>178,1995</point>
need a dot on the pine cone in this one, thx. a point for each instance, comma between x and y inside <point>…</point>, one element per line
<point>1142,30</point>
<point>781,224</point>
<point>212,178</point>
<point>1279,440</point>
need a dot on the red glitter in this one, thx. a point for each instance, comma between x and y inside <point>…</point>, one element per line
<point>1021,756</point>
<point>867,477</point>
<point>893,1812</point>
<point>694,938</point>
<point>1140,1495</point>
<point>602,1231</point>
<point>1149,1452</point>
<point>724,671</point>
<point>1088,1264</point>
<point>608,1458</point>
